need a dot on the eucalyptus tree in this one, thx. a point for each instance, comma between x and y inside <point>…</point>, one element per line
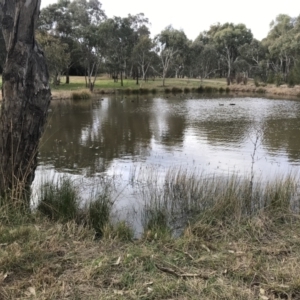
<point>227,39</point>
<point>117,35</point>
<point>57,54</point>
<point>121,37</point>
<point>76,23</point>
<point>86,17</point>
<point>55,23</point>
<point>26,97</point>
<point>143,54</point>
<point>205,57</point>
<point>169,44</point>
<point>255,55</point>
<point>283,43</point>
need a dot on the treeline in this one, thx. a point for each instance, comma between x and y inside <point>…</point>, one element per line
<point>79,39</point>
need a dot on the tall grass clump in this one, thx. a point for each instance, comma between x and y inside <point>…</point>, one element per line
<point>186,197</point>
<point>59,201</point>
<point>14,211</point>
<point>99,212</point>
<point>121,231</point>
<point>156,219</point>
<point>81,95</point>
<point>278,195</point>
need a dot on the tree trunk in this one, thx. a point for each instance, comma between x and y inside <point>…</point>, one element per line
<point>68,76</point>
<point>26,96</point>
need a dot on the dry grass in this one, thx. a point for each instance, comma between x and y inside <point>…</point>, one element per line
<point>259,259</point>
<point>224,254</point>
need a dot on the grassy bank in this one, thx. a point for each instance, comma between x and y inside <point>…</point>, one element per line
<point>107,86</point>
<point>103,85</point>
<point>242,241</point>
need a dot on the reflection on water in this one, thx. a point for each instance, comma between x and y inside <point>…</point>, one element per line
<point>118,134</point>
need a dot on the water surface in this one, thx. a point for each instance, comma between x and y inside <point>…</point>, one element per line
<point>118,135</point>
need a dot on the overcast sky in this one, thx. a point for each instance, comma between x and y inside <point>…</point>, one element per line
<point>195,16</point>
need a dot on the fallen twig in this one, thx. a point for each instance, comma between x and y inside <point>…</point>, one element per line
<point>179,275</point>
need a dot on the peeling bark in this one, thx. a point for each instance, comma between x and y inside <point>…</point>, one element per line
<point>26,96</point>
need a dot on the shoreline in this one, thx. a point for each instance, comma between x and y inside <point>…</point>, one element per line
<point>271,90</point>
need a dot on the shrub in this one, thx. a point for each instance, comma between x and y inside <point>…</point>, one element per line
<point>200,89</point>
<point>176,90</point>
<point>260,91</point>
<point>208,89</point>
<point>81,95</point>
<point>144,91</point>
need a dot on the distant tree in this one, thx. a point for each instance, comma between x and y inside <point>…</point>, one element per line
<point>57,55</point>
<point>143,54</point>
<point>117,35</point>
<point>255,54</point>
<point>205,58</point>
<point>86,17</point>
<point>26,97</point>
<point>227,39</point>
<point>283,44</point>
<point>169,43</point>
<point>76,23</point>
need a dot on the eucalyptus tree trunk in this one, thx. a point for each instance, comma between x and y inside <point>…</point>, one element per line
<point>26,96</point>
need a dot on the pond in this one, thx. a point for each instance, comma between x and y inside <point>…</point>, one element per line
<point>118,135</point>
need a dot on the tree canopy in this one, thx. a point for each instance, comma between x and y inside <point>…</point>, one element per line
<point>123,47</point>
